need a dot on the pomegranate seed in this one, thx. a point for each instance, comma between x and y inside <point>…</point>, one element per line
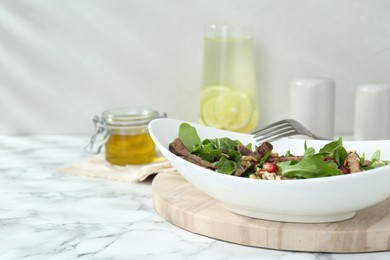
<point>270,167</point>
<point>344,169</point>
<point>328,158</point>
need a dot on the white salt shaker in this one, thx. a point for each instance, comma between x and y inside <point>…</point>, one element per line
<point>372,112</point>
<point>312,104</point>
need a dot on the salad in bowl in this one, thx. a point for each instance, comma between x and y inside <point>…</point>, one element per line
<point>228,156</point>
<point>313,181</point>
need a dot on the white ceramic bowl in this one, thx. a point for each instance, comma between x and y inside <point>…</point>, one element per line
<point>316,200</point>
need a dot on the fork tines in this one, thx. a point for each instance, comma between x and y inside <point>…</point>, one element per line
<point>274,131</point>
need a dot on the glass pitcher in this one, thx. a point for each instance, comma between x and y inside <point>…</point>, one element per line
<point>229,86</point>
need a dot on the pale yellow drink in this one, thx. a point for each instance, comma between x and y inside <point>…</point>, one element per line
<point>229,88</point>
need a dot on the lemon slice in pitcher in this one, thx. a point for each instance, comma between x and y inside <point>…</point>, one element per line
<point>221,107</point>
<point>213,91</point>
<point>208,97</point>
<point>208,113</point>
<point>233,110</point>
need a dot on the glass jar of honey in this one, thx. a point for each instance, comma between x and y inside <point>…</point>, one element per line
<point>124,134</point>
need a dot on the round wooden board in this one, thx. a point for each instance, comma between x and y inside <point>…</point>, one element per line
<point>183,205</point>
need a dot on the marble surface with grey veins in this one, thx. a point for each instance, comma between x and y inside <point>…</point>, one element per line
<point>48,215</point>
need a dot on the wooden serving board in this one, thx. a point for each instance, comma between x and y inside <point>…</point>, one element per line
<point>183,205</point>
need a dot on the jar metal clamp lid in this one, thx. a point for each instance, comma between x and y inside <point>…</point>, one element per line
<point>119,118</point>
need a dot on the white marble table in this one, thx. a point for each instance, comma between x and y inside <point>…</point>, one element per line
<point>47,215</point>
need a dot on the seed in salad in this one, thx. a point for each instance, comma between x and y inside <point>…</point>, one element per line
<point>270,167</point>
<point>344,169</point>
<point>328,158</point>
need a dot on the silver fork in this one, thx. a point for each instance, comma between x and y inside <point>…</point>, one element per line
<point>282,128</point>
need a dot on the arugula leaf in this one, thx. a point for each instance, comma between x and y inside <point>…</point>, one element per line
<point>235,155</point>
<point>309,153</point>
<point>376,156</point>
<point>376,161</point>
<point>207,151</point>
<point>339,155</point>
<point>362,158</point>
<point>308,168</point>
<point>313,164</point>
<point>335,150</point>
<point>189,136</point>
<point>264,158</point>
<point>223,152</point>
<point>226,166</point>
<point>330,147</point>
<point>226,144</point>
<point>213,149</point>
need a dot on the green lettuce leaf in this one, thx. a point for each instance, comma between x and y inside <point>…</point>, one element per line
<point>226,166</point>
<point>376,161</point>
<point>188,136</point>
<point>308,168</point>
<point>335,150</point>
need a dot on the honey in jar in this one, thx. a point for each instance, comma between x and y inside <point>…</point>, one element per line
<point>126,136</point>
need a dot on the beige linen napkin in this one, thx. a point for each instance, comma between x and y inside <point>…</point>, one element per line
<point>98,167</point>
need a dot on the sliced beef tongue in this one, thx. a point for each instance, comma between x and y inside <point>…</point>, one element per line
<point>250,161</point>
<point>177,147</point>
<point>262,150</point>
<point>245,150</point>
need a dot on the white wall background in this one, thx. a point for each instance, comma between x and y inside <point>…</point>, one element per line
<point>61,62</point>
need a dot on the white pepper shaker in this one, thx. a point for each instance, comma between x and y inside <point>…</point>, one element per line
<point>372,112</point>
<point>312,104</point>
